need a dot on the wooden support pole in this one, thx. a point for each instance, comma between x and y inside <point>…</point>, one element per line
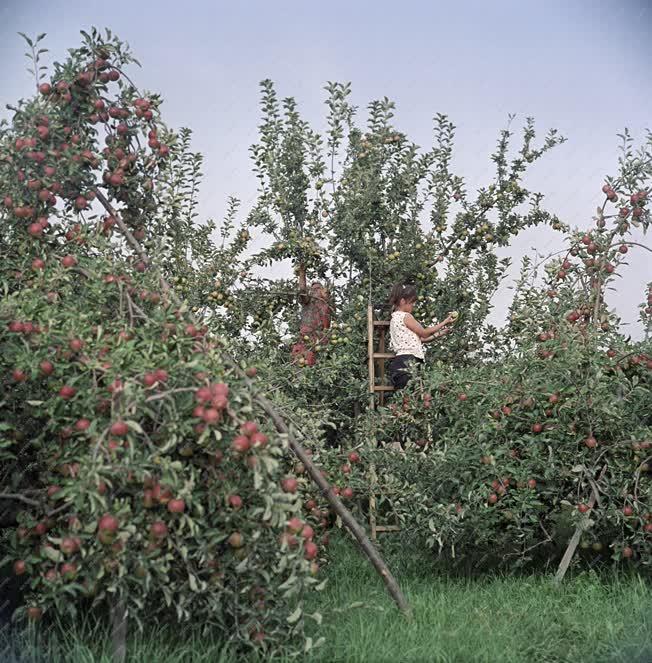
<point>575,539</point>
<point>339,508</point>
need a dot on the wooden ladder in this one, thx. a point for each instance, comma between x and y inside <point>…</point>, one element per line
<point>376,359</point>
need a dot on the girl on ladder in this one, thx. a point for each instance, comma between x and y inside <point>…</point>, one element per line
<point>407,336</point>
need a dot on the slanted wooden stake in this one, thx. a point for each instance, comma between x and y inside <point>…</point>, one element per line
<point>339,508</point>
<point>575,539</point>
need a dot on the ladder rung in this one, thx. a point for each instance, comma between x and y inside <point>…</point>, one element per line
<point>383,387</point>
<point>388,528</point>
<point>381,323</point>
<point>384,355</point>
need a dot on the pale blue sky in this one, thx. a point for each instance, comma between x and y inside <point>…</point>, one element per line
<point>582,67</point>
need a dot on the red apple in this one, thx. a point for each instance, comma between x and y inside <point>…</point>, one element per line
<point>307,532</point>
<point>68,570</point>
<point>310,550</point>
<point>148,498</point>
<point>34,613</point>
<point>108,523</point>
<point>161,493</point>
<point>236,540</point>
<point>211,416</point>
<point>158,529</point>
<point>69,545</point>
<point>295,524</point>
<point>67,392</point>
<point>119,429</point>
<point>82,425</point>
<point>176,506</point>
<point>18,375</point>
<point>35,229</point>
<point>248,428</point>
<point>290,485</point>
<point>240,444</point>
<point>259,440</point>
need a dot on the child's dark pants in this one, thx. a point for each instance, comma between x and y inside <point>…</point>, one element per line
<point>399,369</point>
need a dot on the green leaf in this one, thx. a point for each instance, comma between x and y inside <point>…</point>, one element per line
<point>52,554</point>
<point>295,616</point>
<point>317,616</point>
<point>135,426</point>
<point>26,38</point>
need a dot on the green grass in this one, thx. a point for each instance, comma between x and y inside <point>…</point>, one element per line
<point>506,619</point>
<point>502,619</point>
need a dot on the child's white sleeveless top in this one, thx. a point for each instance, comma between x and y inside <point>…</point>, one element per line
<point>403,341</point>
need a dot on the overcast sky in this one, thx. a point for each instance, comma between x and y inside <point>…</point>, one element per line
<point>581,66</point>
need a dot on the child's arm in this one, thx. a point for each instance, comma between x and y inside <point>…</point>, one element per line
<point>422,333</point>
<point>439,334</point>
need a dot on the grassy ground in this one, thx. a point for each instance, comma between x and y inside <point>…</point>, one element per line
<point>505,619</point>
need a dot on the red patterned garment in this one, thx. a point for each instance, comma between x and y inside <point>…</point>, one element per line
<point>315,320</point>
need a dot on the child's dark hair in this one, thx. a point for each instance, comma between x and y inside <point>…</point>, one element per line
<point>400,291</point>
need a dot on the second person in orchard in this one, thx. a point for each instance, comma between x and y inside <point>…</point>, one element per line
<point>407,336</point>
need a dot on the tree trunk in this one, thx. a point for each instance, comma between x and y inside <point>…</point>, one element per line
<point>303,286</point>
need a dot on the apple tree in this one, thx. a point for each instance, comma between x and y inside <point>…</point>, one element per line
<point>138,475</point>
<point>510,459</point>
